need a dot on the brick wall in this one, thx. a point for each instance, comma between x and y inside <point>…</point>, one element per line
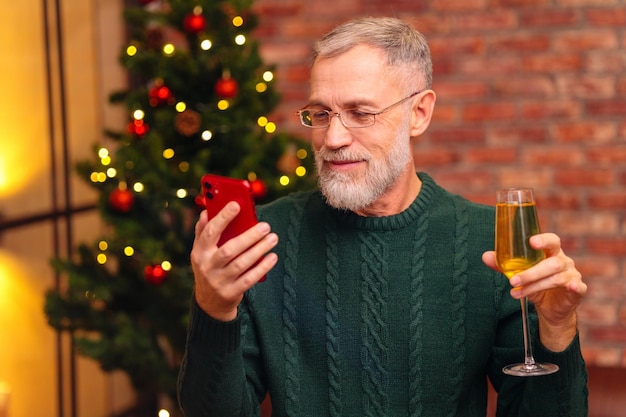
<point>530,92</point>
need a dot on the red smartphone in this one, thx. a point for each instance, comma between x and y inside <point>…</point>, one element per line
<point>217,191</point>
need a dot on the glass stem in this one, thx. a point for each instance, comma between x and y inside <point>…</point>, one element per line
<point>529,361</point>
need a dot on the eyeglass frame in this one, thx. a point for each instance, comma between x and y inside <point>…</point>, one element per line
<point>338,114</point>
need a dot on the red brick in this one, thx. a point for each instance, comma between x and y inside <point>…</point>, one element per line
<point>553,63</point>
<point>586,132</point>
<point>491,155</point>
<point>488,112</point>
<point>606,62</point>
<point>445,113</point>
<point>497,20</point>
<point>607,246</point>
<point>434,157</point>
<point>586,39</point>
<point>585,177</point>
<point>607,200</point>
<point>446,45</point>
<point>465,135</point>
<point>610,292</point>
<point>606,17</point>
<point>489,65</point>
<point>518,135</point>
<point>552,156</point>
<point>608,155</point>
<point>597,268</point>
<point>520,3</point>
<point>601,356</point>
<point>554,200</point>
<point>466,181</point>
<point>591,86</point>
<point>616,107</point>
<point>551,18</point>
<point>551,109</point>
<point>527,86</point>
<point>457,6</point>
<point>520,42</point>
<point>597,313</point>
<point>524,177</point>
<point>591,3</point>
<point>591,224</point>
<point>455,90</point>
<point>609,334</point>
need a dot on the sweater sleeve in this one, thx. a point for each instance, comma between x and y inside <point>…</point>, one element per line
<point>563,393</point>
<point>212,380</point>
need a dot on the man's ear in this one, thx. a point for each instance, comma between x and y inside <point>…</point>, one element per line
<point>422,112</point>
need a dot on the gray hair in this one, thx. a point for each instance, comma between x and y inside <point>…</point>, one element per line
<point>406,48</point>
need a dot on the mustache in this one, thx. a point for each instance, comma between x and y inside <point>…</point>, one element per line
<point>341,155</point>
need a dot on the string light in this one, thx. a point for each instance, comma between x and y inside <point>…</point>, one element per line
<point>207,135</point>
<point>237,21</point>
<point>301,171</point>
<point>129,251</point>
<point>181,193</point>
<point>268,76</point>
<point>206,45</point>
<point>270,127</point>
<point>169,49</point>
<point>168,153</point>
<point>284,180</point>
<point>111,172</point>
<point>101,258</point>
<point>262,121</point>
<point>163,413</point>
<point>223,104</point>
<point>240,40</point>
<point>302,153</point>
<point>261,87</point>
<point>138,187</point>
<point>131,50</point>
<point>181,106</point>
<point>166,265</point>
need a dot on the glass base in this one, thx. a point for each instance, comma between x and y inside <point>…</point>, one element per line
<point>522,369</point>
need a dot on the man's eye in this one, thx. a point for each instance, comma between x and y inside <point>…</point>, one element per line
<point>358,114</point>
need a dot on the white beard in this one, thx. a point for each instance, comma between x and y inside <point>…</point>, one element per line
<point>344,190</point>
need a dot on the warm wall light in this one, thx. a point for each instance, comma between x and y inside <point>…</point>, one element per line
<point>4,399</point>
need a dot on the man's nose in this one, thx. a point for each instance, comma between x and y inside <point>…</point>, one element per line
<point>337,135</point>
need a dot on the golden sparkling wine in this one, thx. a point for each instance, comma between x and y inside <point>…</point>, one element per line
<point>515,224</point>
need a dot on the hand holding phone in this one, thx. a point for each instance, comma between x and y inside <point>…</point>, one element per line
<point>218,191</point>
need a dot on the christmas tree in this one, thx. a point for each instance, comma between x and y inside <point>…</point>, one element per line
<point>198,101</point>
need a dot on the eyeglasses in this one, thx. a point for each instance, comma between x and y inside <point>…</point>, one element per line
<point>350,118</point>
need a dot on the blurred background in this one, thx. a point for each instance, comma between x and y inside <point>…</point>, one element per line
<point>530,92</point>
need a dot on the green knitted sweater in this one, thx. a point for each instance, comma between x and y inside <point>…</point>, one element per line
<point>375,316</point>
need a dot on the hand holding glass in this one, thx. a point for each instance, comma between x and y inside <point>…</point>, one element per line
<point>516,222</point>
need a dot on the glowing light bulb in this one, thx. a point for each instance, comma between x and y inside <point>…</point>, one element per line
<point>268,76</point>
<point>206,45</point>
<point>181,106</point>
<point>169,49</point>
<point>138,187</point>
<point>207,135</point>
<point>240,40</point>
<point>237,21</point>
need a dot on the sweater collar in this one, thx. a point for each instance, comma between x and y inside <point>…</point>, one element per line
<point>396,221</point>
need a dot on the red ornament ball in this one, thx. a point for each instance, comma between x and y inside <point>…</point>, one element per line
<point>226,87</point>
<point>259,189</point>
<point>194,23</point>
<point>138,128</point>
<point>159,94</point>
<point>154,274</point>
<point>121,200</point>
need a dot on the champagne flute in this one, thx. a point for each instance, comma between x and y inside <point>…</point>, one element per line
<point>516,222</point>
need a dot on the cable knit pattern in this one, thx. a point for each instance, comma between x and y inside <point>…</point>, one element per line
<point>416,316</point>
<point>459,295</point>
<point>333,327</point>
<point>392,316</point>
<point>374,297</point>
<point>292,380</point>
